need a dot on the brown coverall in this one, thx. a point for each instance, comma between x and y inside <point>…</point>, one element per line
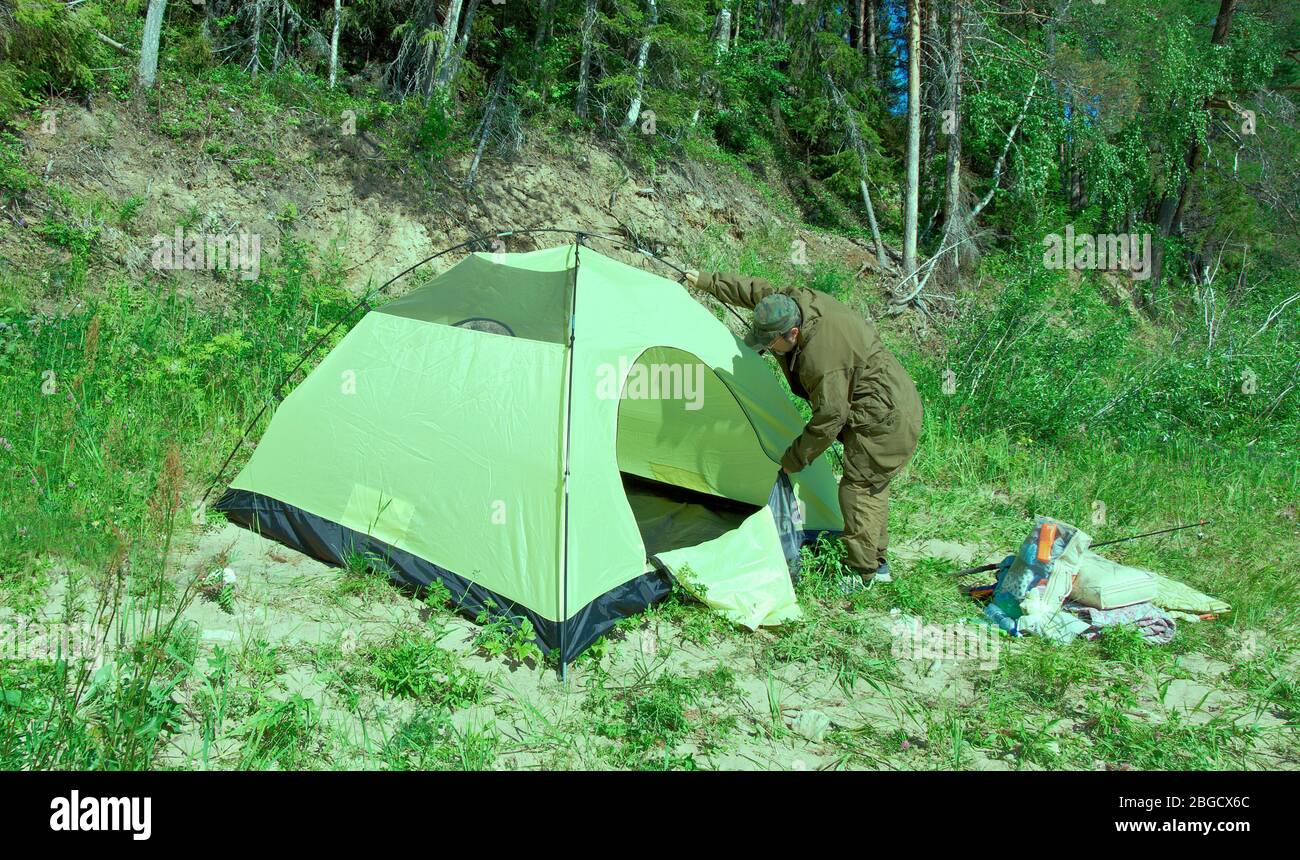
<point>859,394</point>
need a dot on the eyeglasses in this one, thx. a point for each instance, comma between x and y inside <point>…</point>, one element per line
<point>770,347</point>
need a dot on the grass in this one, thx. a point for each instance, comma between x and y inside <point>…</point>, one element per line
<point>412,666</point>
<point>431,743</point>
<point>661,720</point>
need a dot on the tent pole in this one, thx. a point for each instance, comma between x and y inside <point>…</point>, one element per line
<point>302,359</point>
<point>568,444</point>
<point>365,303</point>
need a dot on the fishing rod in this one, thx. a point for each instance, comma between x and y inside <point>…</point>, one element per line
<point>987,567</point>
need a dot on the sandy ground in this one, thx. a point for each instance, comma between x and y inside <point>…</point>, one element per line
<point>290,602</point>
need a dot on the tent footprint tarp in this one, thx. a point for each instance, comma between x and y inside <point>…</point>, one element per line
<point>474,432</point>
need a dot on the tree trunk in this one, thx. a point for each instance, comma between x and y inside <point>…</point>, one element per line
<point>1002,158</point>
<point>488,114</point>
<point>873,63</point>
<point>584,68</point>
<point>450,28</point>
<point>955,229</point>
<point>1227,8</point>
<point>447,73</point>
<point>149,44</point>
<point>776,27</point>
<point>721,38</point>
<point>279,36</point>
<point>913,136</point>
<point>255,62</point>
<point>860,25</point>
<point>930,79</point>
<point>1174,200</point>
<point>334,43</point>
<point>543,24</point>
<point>634,109</point>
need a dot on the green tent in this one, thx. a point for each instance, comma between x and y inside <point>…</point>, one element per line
<point>534,430</point>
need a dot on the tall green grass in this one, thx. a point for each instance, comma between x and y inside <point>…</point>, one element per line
<point>117,410</point>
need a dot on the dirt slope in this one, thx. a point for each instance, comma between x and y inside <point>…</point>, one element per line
<point>328,190</point>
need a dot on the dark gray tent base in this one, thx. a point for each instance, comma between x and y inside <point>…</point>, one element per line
<point>332,543</point>
<point>668,517</point>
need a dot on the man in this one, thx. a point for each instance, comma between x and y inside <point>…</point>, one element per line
<point>859,393</point>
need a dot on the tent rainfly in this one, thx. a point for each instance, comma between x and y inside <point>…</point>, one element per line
<point>540,432</point>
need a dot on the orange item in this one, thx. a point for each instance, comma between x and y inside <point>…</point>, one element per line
<point>1046,537</point>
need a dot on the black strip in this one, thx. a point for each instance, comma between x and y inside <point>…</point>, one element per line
<point>332,543</point>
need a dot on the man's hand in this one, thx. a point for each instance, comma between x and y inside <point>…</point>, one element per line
<point>691,277</point>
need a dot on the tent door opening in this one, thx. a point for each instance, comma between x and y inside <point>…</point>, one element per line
<point>671,517</point>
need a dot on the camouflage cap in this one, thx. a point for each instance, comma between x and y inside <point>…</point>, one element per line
<point>773,315</point>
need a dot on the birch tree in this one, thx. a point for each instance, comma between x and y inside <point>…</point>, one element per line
<point>153,22</point>
<point>1175,200</point>
<point>447,44</point>
<point>584,67</point>
<point>447,72</point>
<point>638,92</point>
<point>334,43</point>
<point>721,44</point>
<point>855,140</point>
<point>912,190</point>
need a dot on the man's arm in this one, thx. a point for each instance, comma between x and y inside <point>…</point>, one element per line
<point>732,288</point>
<point>830,403</point>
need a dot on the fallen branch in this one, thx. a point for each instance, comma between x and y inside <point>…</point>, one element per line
<point>1275,313</point>
<point>107,41</point>
<point>487,126</point>
<point>1002,159</point>
<point>928,267</point>
<point>851,129</point>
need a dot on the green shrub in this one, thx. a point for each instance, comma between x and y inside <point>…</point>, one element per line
<point>46,46</point>
<point>14,178</point>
